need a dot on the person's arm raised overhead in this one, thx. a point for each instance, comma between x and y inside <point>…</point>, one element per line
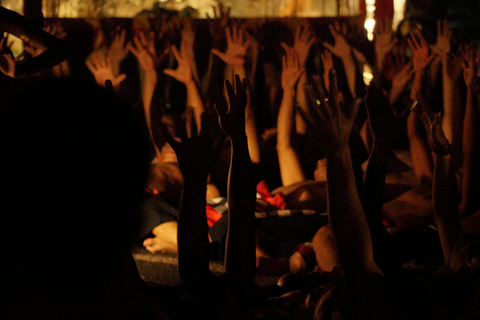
<point>118,49</point>
<point>184,74</point>
<point>384,125</point>
<point>304,38</point>
<point>240,249</point>
<point>402,75</point>
<point>343,50</point>
<point>421,157</point>
<point>144,50</point>
<point>212,82</point>
<point>237,45</point>
<point>196,152</point>
<point>330,124</point>
<point>471,135</point>
<point>331,127</point>
<point>290,167</point>
<point>383,43</point>
<point>445,189</point>
<point>238,42</point>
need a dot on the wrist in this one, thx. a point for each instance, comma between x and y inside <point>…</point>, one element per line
<point>347,56</point>
<point>289,92</point>
<point>150,73</point>
<point>336,153</point>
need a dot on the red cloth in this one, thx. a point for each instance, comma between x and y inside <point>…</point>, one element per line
<point>212,215</point>
<point>277,201</point>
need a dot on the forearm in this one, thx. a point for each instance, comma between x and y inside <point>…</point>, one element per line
<point>346,215</point>
<point>374,180</point>
<point>290,167</point>
<point>395,93</point>
<point>302,103</point>
<point>194,100</point>
<point>213,80</point>
<point>420,151</point>
<point>448,96</point>
<point>149,84</point>
<point>417,86</point>
<point>252,133</point>
<point>471,154</point>
<point>240,254</point>
<point>351,73</point>
<point>445,205</point>
<point>193,262</point>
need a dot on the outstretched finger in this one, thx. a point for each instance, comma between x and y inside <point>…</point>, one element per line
<point>90,66</point>
<point>175,53</point>
<point>228,35</point>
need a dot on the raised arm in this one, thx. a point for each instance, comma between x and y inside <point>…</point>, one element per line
<point>384,43</point>
<point>195,153</point>
<point>234,56</point>
<point>212,82</point>
<point>303,41</point>
<point>144,51</point>
<point>384,126</point>
<point>240,257</point>
<point>290,168</point>
<point>331,124</point>
<point>445,190</point>
<point>184,74</point>
<point>403,73</point>
<point>471,136</point>
<point>364,279</point>
<point>342,49</point>
<point>421,157</point>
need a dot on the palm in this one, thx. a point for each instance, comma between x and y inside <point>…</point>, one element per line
<point>236,47</point>
<point>232,120</point>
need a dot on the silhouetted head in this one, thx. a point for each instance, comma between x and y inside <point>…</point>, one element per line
<point>73,162</point>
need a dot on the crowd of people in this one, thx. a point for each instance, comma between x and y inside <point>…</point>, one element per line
<point>270,150</point>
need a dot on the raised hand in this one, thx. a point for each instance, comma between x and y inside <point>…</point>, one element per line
<point>303,40</point>
<point>469,64</point>
<point>237,45</point>
<point>444,35</point>
<point>421,51</point>
<point>218,23</point>
<point>101,68</point>
<point>144,51</point>
<point>384,41</point>
<point>340,48</point>
<point>119,49</point>
<point>384,125</point>
<point>402,71</point>
<point>329,121</point>
<point>291,68</point>
<point>195,149</point>
<point>327,62</point>
<point>183,73</point>
<point>232,118</point>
